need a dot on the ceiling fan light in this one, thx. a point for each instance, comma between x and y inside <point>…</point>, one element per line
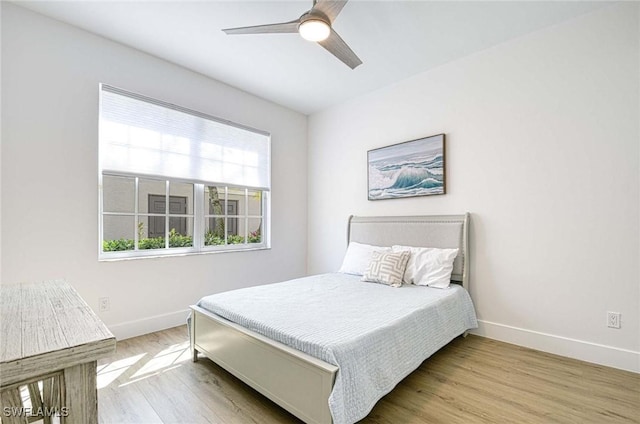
<point>314,30</point>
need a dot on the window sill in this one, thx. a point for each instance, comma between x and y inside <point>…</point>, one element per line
<point>155,255</point>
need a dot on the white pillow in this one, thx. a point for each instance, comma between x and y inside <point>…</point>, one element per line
<point>429,266</point>
<point>356,260</point>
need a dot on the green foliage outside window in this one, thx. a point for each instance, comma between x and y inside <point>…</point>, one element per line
<point>176,240</point>
<point>211,238</point>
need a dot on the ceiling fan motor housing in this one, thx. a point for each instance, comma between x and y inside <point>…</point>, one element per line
<point>314,15</point>
<point>314,27</point>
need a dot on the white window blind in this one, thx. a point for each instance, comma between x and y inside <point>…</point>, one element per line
<point>139,135</point>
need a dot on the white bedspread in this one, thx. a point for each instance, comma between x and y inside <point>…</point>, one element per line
<point>375,334</point>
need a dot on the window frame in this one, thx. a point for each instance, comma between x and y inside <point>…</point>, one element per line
<point>208,137</point>
<point>199,217</point>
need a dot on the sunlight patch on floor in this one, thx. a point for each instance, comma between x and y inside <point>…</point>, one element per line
<point>109,372</point>
<point>168,357</point>
<point>124,370</point>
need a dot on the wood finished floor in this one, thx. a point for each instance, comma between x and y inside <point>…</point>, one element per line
<point>474,380</point>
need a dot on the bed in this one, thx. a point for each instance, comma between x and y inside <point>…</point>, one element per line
<point>289,340</point>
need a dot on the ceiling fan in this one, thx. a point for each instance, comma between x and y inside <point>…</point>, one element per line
<point>313,25</point>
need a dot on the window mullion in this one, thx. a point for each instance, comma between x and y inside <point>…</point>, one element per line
<point>226,212</point>
<point>136,222</point>
<point>166,217</point>
<point>198,216</point>
<point>246,215</point>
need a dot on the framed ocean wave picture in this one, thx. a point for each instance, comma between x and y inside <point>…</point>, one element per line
<point>409,169</point>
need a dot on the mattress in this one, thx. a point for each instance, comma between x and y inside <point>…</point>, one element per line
<point>374,333</point>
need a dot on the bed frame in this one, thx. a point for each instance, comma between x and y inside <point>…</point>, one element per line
<point>298,382</point>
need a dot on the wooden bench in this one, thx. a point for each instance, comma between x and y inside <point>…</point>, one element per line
<point>50,341</point>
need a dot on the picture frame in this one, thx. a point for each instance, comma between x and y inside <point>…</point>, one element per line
<point>408,169</point>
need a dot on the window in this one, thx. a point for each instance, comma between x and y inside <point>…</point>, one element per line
<point>175,181</point>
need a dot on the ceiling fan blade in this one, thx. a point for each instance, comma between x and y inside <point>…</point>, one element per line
<point>331,8</point>
<point>281,28</point>
<point>337,47</point>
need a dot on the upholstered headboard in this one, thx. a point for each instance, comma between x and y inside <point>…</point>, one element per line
<point>442,231</point>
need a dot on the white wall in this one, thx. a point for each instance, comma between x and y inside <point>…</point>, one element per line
<point>542,149</point>
<point>0,152</point>
<point>50,76</point>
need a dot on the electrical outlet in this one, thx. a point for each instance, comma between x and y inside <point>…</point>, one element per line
<point>104,304</point>
<point>614,319</point>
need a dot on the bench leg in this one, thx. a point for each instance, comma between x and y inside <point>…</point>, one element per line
<point>80,394</point>
<point>11,402</point>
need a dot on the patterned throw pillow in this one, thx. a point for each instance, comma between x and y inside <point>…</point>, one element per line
<point>387,268</point>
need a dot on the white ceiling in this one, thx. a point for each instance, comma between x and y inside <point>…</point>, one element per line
<point>394,39</point>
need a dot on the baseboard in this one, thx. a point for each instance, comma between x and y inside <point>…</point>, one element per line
<point>623,359</point>
<point>128,329</point>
